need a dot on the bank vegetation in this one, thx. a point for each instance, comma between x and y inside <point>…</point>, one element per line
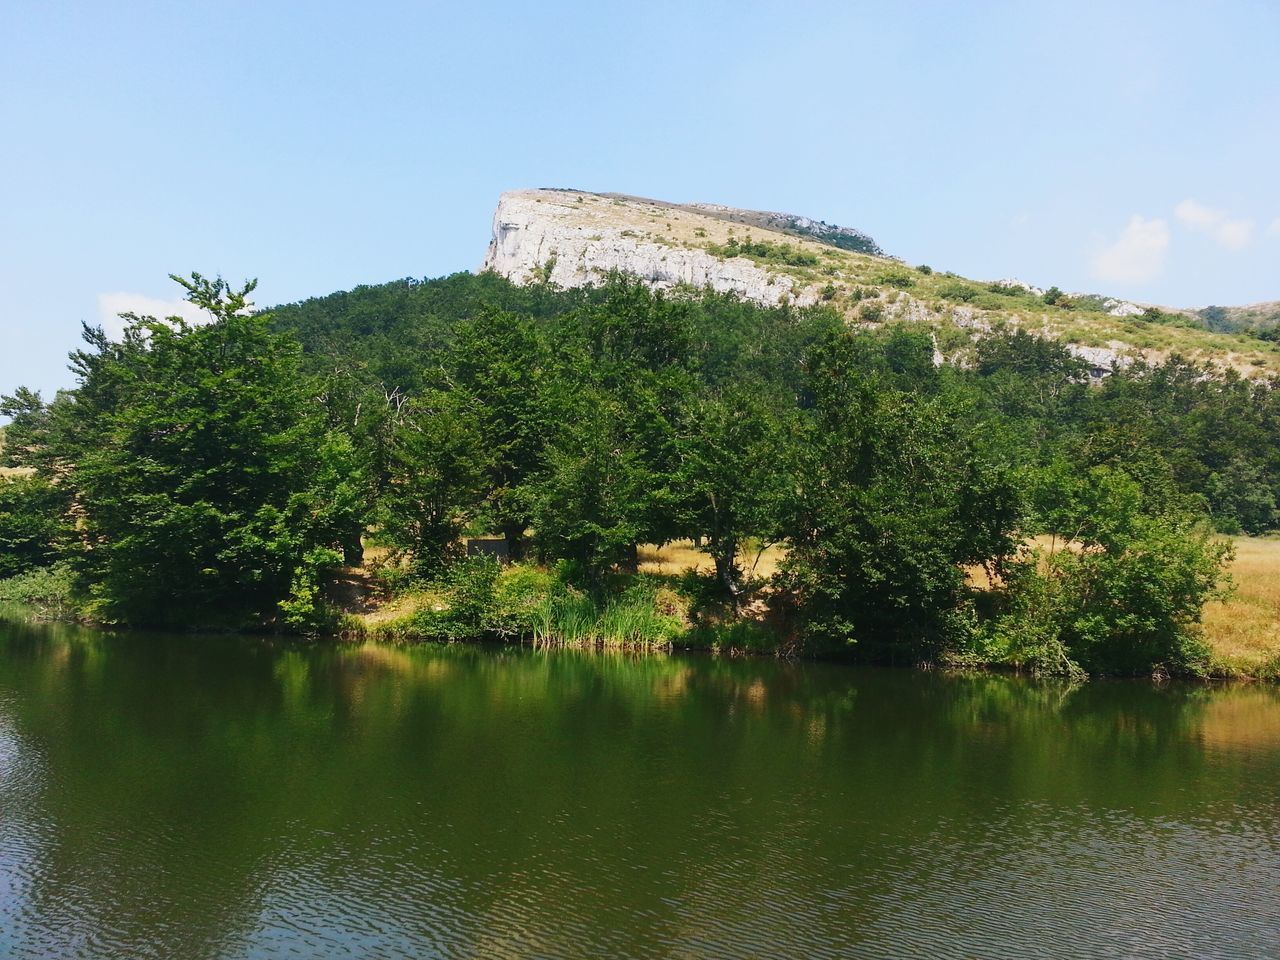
<point>324,468</point>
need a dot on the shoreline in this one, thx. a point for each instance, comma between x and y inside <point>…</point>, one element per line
<point>29,616</point>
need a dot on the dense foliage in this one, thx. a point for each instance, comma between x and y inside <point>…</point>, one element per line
<point>214,471</point>
<point>196,465</point>
<point>32,512</point>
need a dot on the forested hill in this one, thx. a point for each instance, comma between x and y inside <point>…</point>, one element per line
<point>1206,432</point>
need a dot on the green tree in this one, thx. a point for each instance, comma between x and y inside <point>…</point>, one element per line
<point>500,362</point>
<point>202,470</point>
<point>734,472</point>
<point>593,501</point>
<point>1242,498</point>
<point>439,471</point>
<point>896,496</point>
<point>32,522</point>
<point>35,436</point>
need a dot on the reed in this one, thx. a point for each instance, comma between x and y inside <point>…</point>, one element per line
<point>635,619</point>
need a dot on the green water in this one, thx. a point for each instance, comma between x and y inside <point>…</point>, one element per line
<point>183,797</point>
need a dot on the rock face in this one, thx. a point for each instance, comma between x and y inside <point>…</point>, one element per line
<point>1101,360</point>
<point>574,239</point>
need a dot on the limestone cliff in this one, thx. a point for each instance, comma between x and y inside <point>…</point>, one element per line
<point>574,239</point>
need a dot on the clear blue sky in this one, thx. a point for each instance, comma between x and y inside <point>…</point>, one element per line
<point>1124,148</point>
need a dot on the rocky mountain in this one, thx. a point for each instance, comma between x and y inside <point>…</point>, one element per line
<point>574,238</point>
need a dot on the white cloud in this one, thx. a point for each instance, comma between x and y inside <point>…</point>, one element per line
<point>1137,255</point>
<point>1274,229</point>
<point>111,305</point>
<point>1232,234</point>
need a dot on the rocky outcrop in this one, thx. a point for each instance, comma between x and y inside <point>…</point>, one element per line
<point>1101,360</point>
<point>574,239</point>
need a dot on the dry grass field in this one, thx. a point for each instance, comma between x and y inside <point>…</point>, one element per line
<point>1244,629</point>
<point>681,555</point>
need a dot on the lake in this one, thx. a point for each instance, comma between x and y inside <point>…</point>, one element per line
<point>230,797</point>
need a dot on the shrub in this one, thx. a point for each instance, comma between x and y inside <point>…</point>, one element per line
<point>305,610</point>
<point>1123,595</point>
<point>762,250</point>
<point>520,594</point>
<point>1056,298</point>
<point>50,590</point>
<point>902,281</point>
<point>959,291</point>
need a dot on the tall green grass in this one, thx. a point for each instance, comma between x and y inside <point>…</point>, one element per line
<point>477,601</point>
<point>635,619</point>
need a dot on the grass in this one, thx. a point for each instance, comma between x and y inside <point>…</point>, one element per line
<point>1244,629</point>
<point>673,559</point>
<point>639,618</point>
<point>530,602</point>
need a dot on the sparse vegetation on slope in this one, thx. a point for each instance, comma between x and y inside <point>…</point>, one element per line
<point>865,286</point>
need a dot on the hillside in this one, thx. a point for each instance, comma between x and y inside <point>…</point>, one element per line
<point>574,239</point>
<point>1260,319</point>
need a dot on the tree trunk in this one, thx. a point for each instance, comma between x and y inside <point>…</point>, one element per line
<point>514,535</point>
<point>353,549</point>
<point>631,559</point>
<point>725,556</point>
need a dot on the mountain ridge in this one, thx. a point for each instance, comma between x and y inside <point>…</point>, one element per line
<point>575,238</point>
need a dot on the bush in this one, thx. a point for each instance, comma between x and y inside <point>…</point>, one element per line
<point>762,250</point>
<point>305,610</point>
<point>50,590</point>
<point>1054,297</point>
<point>520,594</point>
<point>959,291</point>
<point>1123,595</point>
<point>468,586</point>
<point>902,281</point>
